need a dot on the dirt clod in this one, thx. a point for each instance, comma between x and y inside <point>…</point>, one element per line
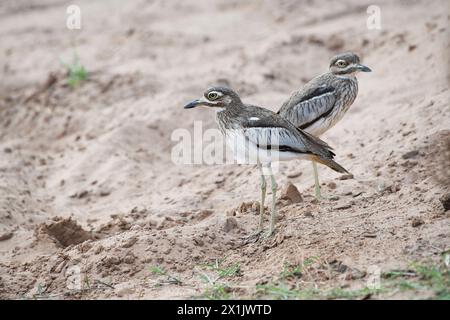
<point>343,206</point>
<point>101,151</point>
<point>230,224</point>
<point>445,201</point>
<point>410,154</point>
<point>6,236</point>
<point>291,193</point>
<point>417,222</point>
<point>332,185</point>
<point>67,232</point>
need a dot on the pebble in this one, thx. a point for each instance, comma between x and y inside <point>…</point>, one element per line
<point>445,201</point>
<point>417,222</point>
<point>410,154</point>
<point>230,224</point>
<point>6,236</point>
<point>308,214</point>
<point>199,242</point>
<point>129,243</point>
<point>343,206</point>
<point>291,193</point>
<point>369,235</point>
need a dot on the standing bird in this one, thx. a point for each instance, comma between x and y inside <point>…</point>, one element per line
<point>323,101</point>
<point>260,136</point>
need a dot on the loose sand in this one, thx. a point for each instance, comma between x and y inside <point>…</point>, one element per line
<point>87,183</point>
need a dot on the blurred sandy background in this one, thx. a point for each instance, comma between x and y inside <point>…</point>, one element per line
<point>87,181</point>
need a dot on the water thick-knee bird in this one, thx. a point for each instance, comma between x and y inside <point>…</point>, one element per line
<point>260,136</point>
<point>323,101</point>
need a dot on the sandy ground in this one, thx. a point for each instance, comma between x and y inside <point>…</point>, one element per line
<point>91,205</point>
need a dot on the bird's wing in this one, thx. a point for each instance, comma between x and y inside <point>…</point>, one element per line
<point>274,139</point>
<point>308,106</point>
<point>268,130</point>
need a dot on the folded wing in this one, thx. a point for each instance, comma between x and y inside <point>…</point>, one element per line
<point>273,132</point>
<point>305,109</point>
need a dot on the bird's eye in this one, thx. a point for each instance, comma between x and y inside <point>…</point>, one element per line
<point>341,63</point>
<point>213,96</point>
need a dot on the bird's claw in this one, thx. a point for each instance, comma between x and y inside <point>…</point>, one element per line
<point>253,237</point>
<point>267,234</point>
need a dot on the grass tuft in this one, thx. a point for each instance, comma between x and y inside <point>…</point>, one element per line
<point>157,270</point>
<point>77,73</point>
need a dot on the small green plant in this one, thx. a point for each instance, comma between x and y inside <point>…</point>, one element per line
<point>77,73</point>
<point>297,282</point>
<point>283,291</point>
<point>296,271</point>
<point>291,271</point>
<point>215,289</point>
<point>223,271</point>
<point>422,276</point>
<point>405,285</point>
<point>157,270</point>
<point>230,271</point>
<point>435,277</point>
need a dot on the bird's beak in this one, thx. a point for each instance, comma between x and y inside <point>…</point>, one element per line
<point>194,103</point>
<point>363,68</point>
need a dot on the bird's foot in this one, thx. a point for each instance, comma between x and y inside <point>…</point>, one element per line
<point>328,197</point>
<point>252,237</point>
<point>268,234</point>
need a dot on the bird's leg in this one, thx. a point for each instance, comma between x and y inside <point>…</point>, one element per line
<point>274,200</point>
<point>263,197</point>
<point>317,188</point>
<point>316,180</point>
<point>254,236</point>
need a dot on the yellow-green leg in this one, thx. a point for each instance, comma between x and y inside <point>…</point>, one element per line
<point>273,213</point>
<point>316,181</point>
<point>263,197</point>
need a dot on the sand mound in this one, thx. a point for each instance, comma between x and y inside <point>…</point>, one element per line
<point>92,206</point>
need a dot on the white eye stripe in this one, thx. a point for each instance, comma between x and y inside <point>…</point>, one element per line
<point>253,118</point>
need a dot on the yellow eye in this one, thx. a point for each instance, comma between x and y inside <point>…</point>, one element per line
<point>212,95</point>
<point>341,63</point>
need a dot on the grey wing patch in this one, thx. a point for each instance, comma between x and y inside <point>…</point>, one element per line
<point>276,138</point>
<point>316,92</point>
<point>310,108</point>
<point>275,132</point>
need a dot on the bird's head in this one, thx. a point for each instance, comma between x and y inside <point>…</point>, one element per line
<point>347,64</point>
<point>217,98</point>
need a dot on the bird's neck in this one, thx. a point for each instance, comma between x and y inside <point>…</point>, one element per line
<point>227,117</point>
<point>233,110</point>
<point>348,76</point>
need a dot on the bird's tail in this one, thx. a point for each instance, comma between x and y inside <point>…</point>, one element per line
<point>330,163</point>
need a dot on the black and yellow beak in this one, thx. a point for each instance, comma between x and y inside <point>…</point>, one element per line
<point>363,68</point>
